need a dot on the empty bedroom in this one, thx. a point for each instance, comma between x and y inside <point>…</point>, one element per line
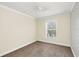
<point>39,29</point>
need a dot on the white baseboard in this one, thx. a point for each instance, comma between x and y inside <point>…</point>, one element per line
<point>54,43</point>
<point>16,48</point>
<point>73,52</point>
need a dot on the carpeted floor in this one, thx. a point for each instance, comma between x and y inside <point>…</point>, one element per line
<point>42,49</point>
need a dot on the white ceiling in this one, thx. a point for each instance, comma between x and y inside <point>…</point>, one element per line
<point>40,9</point>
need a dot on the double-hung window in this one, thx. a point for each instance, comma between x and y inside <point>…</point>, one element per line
<point>50,29</point>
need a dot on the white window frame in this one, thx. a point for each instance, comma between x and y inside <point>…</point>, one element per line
<point>46,24</point>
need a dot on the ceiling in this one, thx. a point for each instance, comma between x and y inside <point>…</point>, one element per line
<point>40,9</point>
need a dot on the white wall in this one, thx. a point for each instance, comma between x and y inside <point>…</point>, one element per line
<point>16,30</point>
<point>63,29</point>
<point>75,30</point>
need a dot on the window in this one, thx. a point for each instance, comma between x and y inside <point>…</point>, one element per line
<point>51,29</point>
